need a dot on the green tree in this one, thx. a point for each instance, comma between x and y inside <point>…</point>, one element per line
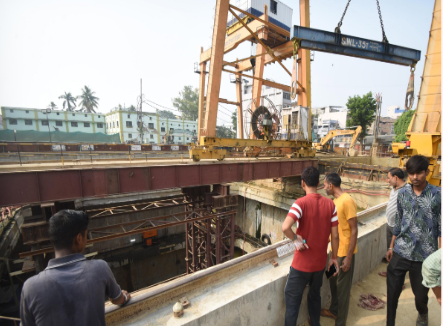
<point>234,120</point>
<point>132,108</point>
<point>361,113</point>
<point>88,101</point>
<point>401,125</point>
<point>187,103</point>
<point>166,114</point>
<point>52,106</point>
<point>224,132</point>
<point>69,101</point>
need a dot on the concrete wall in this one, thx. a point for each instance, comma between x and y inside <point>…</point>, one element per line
<point>250,292</point>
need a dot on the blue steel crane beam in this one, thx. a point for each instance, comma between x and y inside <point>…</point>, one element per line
<point>324,41</point>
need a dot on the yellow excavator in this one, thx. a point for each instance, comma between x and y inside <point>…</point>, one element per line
<point>424,131</point>
<point>324,143</point>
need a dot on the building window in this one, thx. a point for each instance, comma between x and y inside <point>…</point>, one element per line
<point>129,116</point>
<point>12,121</point>
<point>113,124</point>
<point>44,123</point>
<point>86,115</point>
<point>117,124</point>
<point>59,123</point>
<point>274,7</point>
<point>179,138</point>
<point>86,124</point>
<point>186,126</point>
<point>99,125</point>
<point>150,118</point>
<point>162,129</point>
<point>11,111</point>
<point>187,138</point>
<point>150,125</point>
<point>129,135</point>
<point>28,122</point>
<point>179,125</point>
<point>286,96</point>
<point>27,111</point>
<point>129,124</point>
<point>74,124</point>
<point>58,113</point>
<point>99,116</point>
<point>151,136</point>
<point>163,123</point>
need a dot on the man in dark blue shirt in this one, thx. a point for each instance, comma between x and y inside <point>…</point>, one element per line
<point>71,290</point>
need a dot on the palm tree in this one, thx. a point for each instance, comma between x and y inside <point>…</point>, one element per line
<point>69,101</point>
<point>52,106</point>
<point>88,100</point>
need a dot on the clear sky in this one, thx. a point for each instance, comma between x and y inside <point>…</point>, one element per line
<point>48,47</point>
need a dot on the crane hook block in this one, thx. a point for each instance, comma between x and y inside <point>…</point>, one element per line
<point>410,91</point>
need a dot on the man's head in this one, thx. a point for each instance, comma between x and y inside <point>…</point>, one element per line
<point>331,182</point>
<point>417,168</point>
<point>396,177</point>
<point>67,230</point>
<point>310,178</point>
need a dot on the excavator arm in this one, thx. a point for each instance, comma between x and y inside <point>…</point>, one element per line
<point>334,133</point>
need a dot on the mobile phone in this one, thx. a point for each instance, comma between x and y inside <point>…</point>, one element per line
<point>331,272</point>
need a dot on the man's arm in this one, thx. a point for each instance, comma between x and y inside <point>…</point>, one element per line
<point>397,227</point>
<point>334,247</point>
<point>122,299</point>
<point>346,265</point>
<point>113,291</point>
<point>287,227</point>
<point>26,317</point>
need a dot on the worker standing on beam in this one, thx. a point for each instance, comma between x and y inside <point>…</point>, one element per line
<point>71,290</point>
<point>316,217</point>
<point>417,234</point>
<point>348,230</point>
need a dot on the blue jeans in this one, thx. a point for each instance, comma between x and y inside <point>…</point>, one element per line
<point>294,289</point>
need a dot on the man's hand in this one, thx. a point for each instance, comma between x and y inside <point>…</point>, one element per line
<point>333,261</point>
<point>300,244</point>
<point>346,265</point>
<point>389,254</point>
<point>122,299</point>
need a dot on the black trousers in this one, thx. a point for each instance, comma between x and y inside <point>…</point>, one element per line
<point>397,269</point>
<point>295,286</point>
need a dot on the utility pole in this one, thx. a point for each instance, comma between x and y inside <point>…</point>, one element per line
<point>375,142</point>
<point>140,116</point>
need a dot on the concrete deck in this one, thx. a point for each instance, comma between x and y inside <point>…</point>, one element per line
<point>375,284</point>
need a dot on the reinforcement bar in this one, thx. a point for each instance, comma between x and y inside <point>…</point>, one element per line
<point>318,40</point>
<point>19,188</point>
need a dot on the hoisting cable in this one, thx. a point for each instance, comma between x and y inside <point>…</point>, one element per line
<point>410,90</point>
<point>385,39</point>
<point>337,29</point>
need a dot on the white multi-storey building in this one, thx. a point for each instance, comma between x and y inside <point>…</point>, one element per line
<point>155,128</point>
<point>394,111</point>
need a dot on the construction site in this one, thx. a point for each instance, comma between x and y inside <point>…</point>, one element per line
<point>200,224</point>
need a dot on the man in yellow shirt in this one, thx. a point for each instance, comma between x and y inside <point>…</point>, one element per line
<point>348,232</point>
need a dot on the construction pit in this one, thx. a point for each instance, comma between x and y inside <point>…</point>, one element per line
<point>154,262</point>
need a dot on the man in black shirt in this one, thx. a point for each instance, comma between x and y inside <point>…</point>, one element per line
<point>71,290</point>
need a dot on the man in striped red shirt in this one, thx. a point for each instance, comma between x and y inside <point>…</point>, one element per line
<point>316,218</point>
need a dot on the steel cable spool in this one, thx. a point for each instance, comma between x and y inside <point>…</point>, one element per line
<point>260,114</point>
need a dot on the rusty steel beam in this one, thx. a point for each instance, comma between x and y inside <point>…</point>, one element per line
<point>132,232</point>
<point>59,185</point>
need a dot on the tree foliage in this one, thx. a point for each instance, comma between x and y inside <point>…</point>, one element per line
<point>166,114</point>
<point>187,103</point>
<point>361,112</point>
<point>52,106</point>
<point>224,132</point>
<point>69,101</point>
<point>132,108</point>
<point>88,101</point>
<point>234,120</point>
<point>401,125</point>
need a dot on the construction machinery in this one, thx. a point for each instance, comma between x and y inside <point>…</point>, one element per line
<point>325,143</point>
<point>168,138</point>
<point>274,44</point>
<point>424,131</point>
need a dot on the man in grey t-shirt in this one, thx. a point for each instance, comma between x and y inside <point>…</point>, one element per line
<point>71,290</point>
<point>396,180</point>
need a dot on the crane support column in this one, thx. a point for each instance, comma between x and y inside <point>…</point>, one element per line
<point>259,68</point>
<point>201,97</point>
<point>304,66</point>
<point>215,68</point>
<point>238,87</point>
